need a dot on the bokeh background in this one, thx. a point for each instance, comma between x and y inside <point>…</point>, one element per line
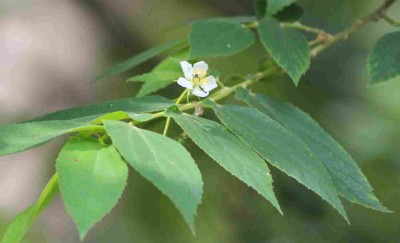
<point>51,50</point>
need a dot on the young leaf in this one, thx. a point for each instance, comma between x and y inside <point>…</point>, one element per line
<point>384,60</point>
<point>18,137</point>
<point>279,147</point>
<point>287,47</point>
<point>346,175</point>
<point>164,74</point>
<point>142,57</point>
<point>216,37</point>
<point>274,6</point>
<point>164,162</point>
<point>90,112</point>
<point>231,153</point>
<point>92,179</point>
<point>21,224</point>
<point>155,81</point>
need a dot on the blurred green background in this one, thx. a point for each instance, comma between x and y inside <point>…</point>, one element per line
<point>50,50</point>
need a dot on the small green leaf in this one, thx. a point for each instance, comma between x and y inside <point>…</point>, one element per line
<point>279,147</point>
<point>231,153</point>
<point>90,112</point>
<point>92,179</point>
<point>216,37</point>
<point>155,81</point>
<point>164,162</point>
<point>142,57</point>
<point>164,74</point>
<point>287,47</point>
<point>384,60</point>
<point>18,137</point>
<point>274,6</point>
<point>346,175</point>
<point>21,224</point>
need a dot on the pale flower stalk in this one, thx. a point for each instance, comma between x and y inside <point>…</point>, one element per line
<point>196,78</point>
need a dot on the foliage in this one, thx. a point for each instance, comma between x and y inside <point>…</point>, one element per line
<point>92,167</point>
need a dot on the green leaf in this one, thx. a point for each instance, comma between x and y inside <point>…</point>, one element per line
<point>164,162</point>
<point>142,57</point>
<point>218,38</point>
<point>164,74</point>
<point>237,19</point>
<point>121,115</point>
<point>231,153</point>
<point>274,6</point>
<point>155,81</point>
<point>384,60</point>
<point>92,179</point>
<point>290,13</point>
<point>346,175</point>
<point>90,112</point>
<point>21,224</point>
<point>279,147</point>
<point>18,137</point>
<point>286,46</point>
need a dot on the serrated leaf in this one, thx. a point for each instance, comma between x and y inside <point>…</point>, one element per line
<point>164,162</point>
<point>21,224</point>
<point>90,112</point>
<point>280,148</point>
<point>384,60</point>
<point>92,179</point>
<point>274,6</point>
<point>142,57</point>
<point>231,153</point>
<point>18,137</point>
<point>286,46</point>
<point>216,37</point>
<point>346,175</point>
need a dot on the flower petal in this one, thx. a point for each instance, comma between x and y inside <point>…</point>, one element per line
<point>209,83</point>
<point>201,65</point>
<point>187,69</point>
<point>198,92</point>
<point>200,68</point>
<point>185,83</point>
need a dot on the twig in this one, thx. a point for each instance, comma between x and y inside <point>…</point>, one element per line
<point>391,20</point>
<point>374,16</point>
<point>299,26</point>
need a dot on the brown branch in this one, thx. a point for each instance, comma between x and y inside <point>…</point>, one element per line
<point>376,15</point>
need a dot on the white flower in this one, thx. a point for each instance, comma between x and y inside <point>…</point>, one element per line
<point>196,78</point>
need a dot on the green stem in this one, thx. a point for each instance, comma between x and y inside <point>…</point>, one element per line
<point>253,24</point>
<point>374,16</point>
<point>169,118</point>
<point>220,83</point>
<point>300,26</point>
<point>103,138</point>
<point>166,126</point>
<point>47,194</point>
